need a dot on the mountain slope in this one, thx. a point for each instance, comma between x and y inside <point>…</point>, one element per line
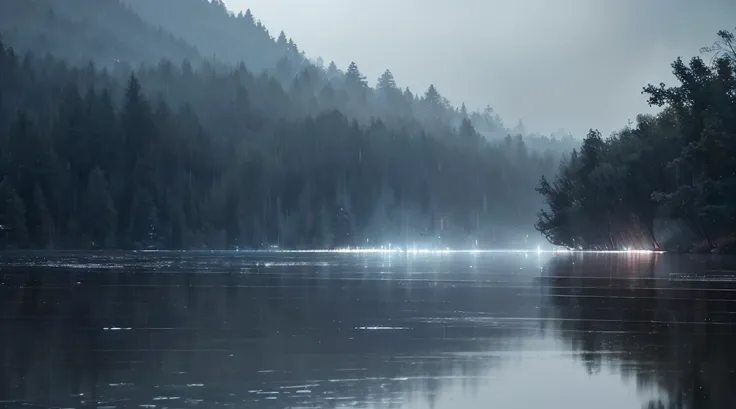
<point>80,31</point>
<point>230,38</point>
<point>212,155</point>
<point>87,161</point>
<point>142,31</point>
<point>217,33</point>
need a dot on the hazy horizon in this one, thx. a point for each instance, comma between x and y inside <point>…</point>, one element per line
<point>523,58</point>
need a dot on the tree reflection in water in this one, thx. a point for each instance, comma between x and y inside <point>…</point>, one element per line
<point>135,329</point>
<point>667,321</point>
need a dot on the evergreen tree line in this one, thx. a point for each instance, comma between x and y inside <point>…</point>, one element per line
<point>234,38</point>
<point>173,156</point>
<point>122,34</point>
<point>667,182</point>
<point>83,30</point>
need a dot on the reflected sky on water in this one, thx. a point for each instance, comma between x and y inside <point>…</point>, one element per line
<point>271,330</point>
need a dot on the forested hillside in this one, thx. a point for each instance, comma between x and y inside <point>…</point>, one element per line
<point>178,157</point>
<point>230,38</point>
<point>180,124</point>
<point>220,34</point>
<point>121,34</point>
<point>81,31</point>
<point>677,168</point>
<point>251,145</point>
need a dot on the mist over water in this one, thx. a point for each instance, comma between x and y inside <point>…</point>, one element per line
<point>274,330</point>
<point>138,137</point>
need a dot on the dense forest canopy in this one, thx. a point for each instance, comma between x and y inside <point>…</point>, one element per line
<point>180,153</point>
<point>179,124</point>
<point>669,181</point>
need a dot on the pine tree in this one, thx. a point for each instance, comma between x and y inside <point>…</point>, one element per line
<point>71,125</point>
<point>467,131</point>
<point>433,106</point>
<point>354,78</point>
<point>248,16</point>
<point>386,82</point>
<point>432,96</point>
<point>293,47</point>
<point>332,70</point>
<point>408,96</point>
<point>107,136</point>
<point>281,40</point>
<point>136,120</point>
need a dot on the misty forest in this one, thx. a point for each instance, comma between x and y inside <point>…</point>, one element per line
<point>136,124</point>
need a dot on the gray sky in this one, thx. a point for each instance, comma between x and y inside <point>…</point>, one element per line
<point>572,64</point>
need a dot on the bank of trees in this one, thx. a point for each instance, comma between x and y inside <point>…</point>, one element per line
<point>669,181</point>
<point>122,34</point>
<point>173,156</point>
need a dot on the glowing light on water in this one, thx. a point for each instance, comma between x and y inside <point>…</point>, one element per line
<point>399,250</point>
<point>626,251</point>
<point>379,328</point>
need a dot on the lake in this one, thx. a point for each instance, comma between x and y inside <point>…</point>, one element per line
<point>330,330</point>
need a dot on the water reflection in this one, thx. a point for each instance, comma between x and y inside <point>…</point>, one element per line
<point>274,331</point>
<point>667,323</point>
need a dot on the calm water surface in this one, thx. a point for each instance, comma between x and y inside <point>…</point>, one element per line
<point>210,330</point>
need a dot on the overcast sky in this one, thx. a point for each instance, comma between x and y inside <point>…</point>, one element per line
<point>572,64</point>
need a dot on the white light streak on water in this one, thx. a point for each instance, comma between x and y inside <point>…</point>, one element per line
<point>381,328</point>
<point>396,250</point>
<point>399,250</point>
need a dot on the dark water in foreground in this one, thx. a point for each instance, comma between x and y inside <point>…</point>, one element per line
<point>206,330</point>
